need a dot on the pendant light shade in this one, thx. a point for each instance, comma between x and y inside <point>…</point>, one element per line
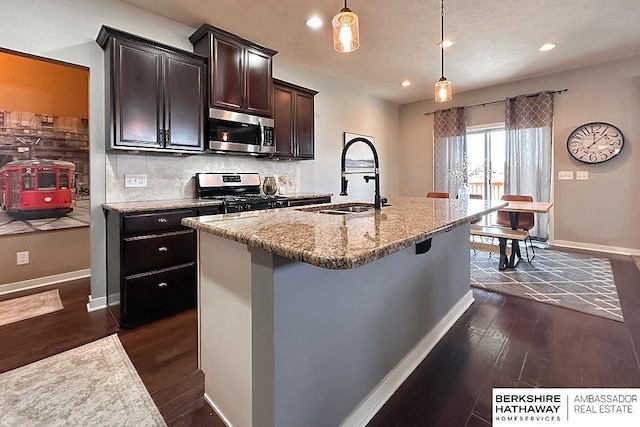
<point>346,34</point>
<point>443,89</point>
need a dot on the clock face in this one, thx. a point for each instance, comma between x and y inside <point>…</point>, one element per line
<point>595,142</point>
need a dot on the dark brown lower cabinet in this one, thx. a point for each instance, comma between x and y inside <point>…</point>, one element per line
<point>151,265</point>
<point>293,117</point>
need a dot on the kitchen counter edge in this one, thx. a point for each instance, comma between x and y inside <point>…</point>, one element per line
<point>330,260</point>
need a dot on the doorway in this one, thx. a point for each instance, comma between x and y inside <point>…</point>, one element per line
<point>486,160</point>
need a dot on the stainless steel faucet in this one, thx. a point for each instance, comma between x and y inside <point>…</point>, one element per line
<point>378,201</point>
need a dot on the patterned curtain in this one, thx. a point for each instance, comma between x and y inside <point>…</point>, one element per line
<point>529,126</point>
<point>449,148</point>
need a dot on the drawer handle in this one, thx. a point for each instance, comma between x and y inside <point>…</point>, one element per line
<point>163,285</point>
<point>163,249</point>
<point>162,220</point>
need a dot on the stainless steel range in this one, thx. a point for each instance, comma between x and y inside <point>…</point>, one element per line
<point>238,191</point>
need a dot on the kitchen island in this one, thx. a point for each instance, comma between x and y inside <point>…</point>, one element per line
<point>315,319</point>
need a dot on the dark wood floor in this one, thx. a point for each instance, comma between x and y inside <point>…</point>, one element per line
<point>164,352</point>
<point>501,341</point>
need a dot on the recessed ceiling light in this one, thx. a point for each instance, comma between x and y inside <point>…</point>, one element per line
<point>446,43</point>
<point>314,22</point>
<point>405,83</point>
<point>546,46</point>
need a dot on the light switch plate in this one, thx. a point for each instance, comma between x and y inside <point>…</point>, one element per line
<point>582,175</point>
<point>565,175</point>
<point>135,180</point>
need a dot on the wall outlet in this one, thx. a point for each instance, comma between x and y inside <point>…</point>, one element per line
<point>565,175</point>
<point>582,175</point>
<point>135,180</point>
<point>22,258</point>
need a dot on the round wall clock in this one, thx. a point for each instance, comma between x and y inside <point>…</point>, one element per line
<point>595,142</point>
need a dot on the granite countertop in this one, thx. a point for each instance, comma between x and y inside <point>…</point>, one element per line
<point>152,205</point>
<point>344,241</point>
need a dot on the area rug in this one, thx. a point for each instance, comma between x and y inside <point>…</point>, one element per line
<point>16,309</point>
<point>92,385</point>
<point>579,282</point>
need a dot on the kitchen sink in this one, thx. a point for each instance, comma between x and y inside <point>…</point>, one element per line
<point>351,209</point>
<point>340,209</point>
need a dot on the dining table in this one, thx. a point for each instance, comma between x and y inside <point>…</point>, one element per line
<point>514,208</point>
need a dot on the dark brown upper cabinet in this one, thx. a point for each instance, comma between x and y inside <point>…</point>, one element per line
<point>293,117</point>
<point>240,71</point>
<point>155,94</point>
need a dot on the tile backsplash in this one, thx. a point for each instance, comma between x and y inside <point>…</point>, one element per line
<point>172,177</point>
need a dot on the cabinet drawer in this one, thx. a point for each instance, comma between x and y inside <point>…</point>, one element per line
<point>141,254</point>
<point>153,222</point>
<point>152,295</point>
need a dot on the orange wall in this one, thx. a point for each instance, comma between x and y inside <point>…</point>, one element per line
<point>41,86</point>
<point>46,87</point>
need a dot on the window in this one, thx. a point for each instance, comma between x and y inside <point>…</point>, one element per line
<point>47,121</point>
<point>1,118</point>
<point>64,180</point>
<point>485,160</point>
<point>46,179</point>
<point>27,181</point>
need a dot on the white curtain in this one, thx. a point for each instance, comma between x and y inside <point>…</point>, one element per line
<point>529,130</point>
<point>449,149</point>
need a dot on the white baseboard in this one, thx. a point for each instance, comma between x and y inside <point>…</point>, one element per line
<point>96,303</point>
<point>598,248</point>
<point>217,411</point>
<point>371,404</point>
<point>44,281</point>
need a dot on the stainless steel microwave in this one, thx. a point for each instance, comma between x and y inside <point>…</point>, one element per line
<point>240,133</point>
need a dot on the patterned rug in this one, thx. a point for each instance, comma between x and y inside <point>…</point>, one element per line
<point>16,309</point>
<point>92,385</point>
<point>578,282</point>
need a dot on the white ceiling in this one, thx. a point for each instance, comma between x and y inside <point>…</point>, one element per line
<point>496,40</point>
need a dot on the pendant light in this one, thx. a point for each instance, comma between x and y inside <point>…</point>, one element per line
<point>346,37</point>
<point>443,87</point>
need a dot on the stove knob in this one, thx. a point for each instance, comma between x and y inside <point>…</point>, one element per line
<point>247,207</point>
<point>239,208</point>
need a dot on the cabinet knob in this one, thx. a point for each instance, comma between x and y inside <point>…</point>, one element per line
<point>162,220</point>
<point>163,285</point>
<point>163,249</point>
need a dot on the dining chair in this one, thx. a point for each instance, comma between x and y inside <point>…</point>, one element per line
<point>437,195</point>
<point>526,220</point>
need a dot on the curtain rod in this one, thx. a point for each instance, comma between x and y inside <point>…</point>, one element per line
<point>553,92</point>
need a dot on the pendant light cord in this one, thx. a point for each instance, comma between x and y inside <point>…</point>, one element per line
<point>441,34</point>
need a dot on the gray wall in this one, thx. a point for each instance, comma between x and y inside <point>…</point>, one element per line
<point>601,213</point>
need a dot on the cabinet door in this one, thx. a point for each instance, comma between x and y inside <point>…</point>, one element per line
<point>137,95</point>
<point>283,119</point>
<point>259,84</point>
<point>304,126</point>
<point>227,86</point>
<point>184,103</point>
